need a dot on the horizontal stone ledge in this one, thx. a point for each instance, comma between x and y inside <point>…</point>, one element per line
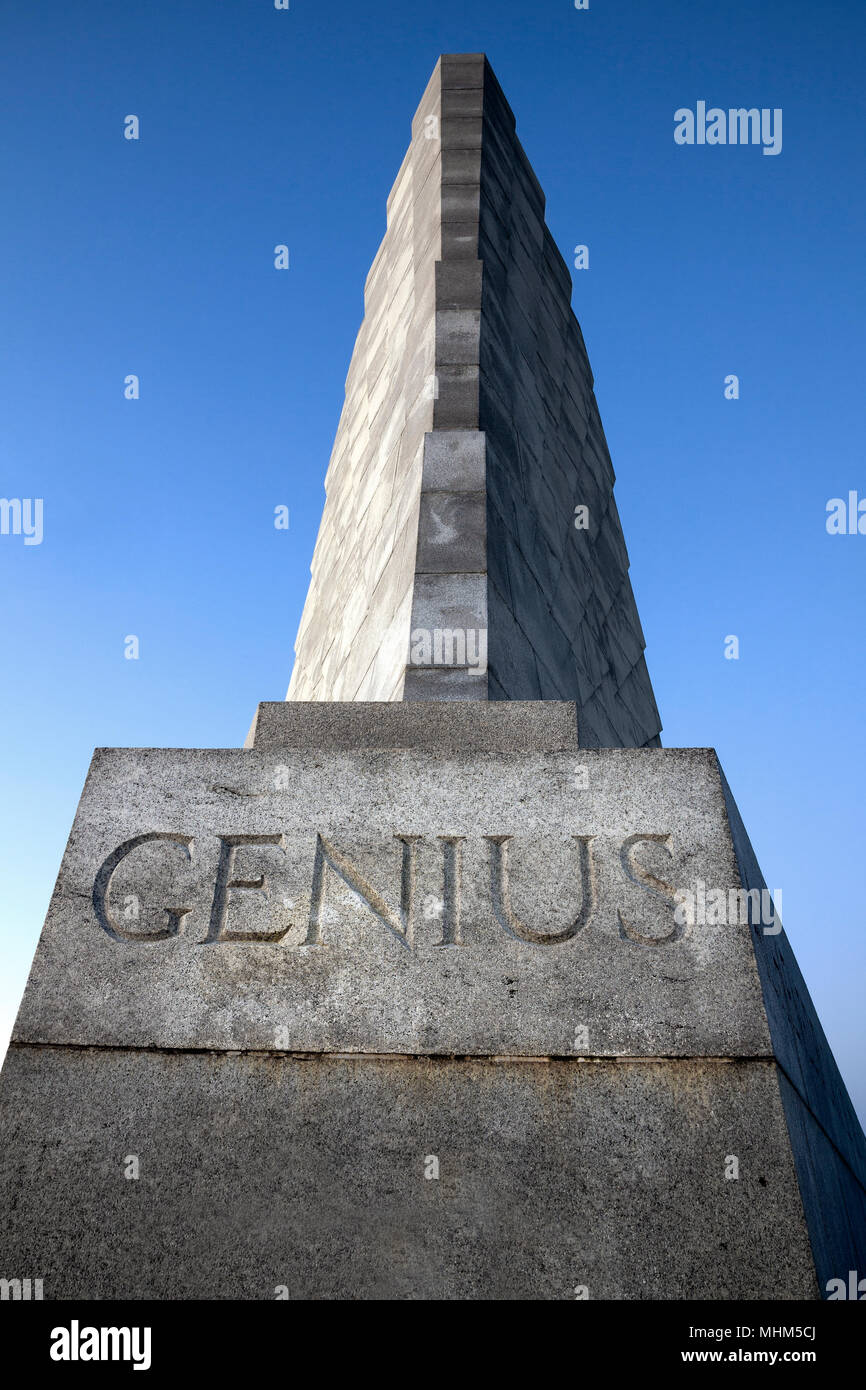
<point>433,1059</point>
<point>437,725</point>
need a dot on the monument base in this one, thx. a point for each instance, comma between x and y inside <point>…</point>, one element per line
<point>390,1007</point>
<point>398,1178</point>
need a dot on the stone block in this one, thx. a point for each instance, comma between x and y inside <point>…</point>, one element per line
<point>313,1175</point>
<point>452,533</point>
<point>391,934</point>
<point>433,727</point>
<point>223,899</point>
<point>452,683</point>
<point>454,461</point>
<point>457,601</point>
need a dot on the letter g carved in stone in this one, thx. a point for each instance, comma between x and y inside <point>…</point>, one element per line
<point>102,889</point>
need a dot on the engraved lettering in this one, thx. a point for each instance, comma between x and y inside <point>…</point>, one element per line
<point>327,856</point>
<point>644,879</point>
<point>501,892</point>
<point>102,889</point>
<point>229,845</point>
<point>452,854</point>
<point>399,921</point>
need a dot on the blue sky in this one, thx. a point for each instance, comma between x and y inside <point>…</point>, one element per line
<point>155,257</point>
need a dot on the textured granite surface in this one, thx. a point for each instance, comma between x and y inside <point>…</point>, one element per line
<point>512,726</point>
<point>261,1173</point>
<point>396,901</point>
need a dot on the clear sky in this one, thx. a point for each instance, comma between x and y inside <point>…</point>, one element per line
<point>155,257</point>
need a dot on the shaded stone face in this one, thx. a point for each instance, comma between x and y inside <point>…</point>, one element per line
<point>264,1174</point>
<point>448,564</point>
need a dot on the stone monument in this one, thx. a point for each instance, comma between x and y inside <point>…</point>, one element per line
<point>453,983</point>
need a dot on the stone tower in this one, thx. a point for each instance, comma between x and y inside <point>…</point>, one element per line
<point>452,983</point>
<point>469,438</point>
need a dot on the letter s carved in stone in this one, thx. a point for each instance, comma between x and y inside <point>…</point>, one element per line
<point>644,879</point>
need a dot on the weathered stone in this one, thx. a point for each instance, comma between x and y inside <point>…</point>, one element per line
<point>506,727</point>
<point>392,918</point>
<point>454,461</point>
<point>260,1173</point>
<point>452,533</point>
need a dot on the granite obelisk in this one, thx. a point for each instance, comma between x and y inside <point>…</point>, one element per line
<point>470,490</point>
